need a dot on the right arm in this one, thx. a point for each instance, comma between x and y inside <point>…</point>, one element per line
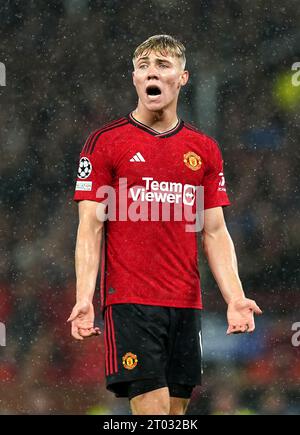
<point>87,261</point>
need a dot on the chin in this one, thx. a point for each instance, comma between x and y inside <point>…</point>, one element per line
<point>155,107</point>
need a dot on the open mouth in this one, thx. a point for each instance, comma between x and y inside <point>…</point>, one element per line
<point>153,90</point>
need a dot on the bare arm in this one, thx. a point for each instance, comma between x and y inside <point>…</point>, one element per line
<point>87,253</point>
<point>87,260</point>
<point>219,250</point>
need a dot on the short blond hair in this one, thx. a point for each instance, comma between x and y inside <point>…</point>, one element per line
<point>163,44</point>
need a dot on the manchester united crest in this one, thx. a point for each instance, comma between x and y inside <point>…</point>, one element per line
<point>192,161</point>
<point>129,361</point>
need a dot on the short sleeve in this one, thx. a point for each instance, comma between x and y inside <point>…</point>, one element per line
<point>94,170</point>
<point>214,184</point>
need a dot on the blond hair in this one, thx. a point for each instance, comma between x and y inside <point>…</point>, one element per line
<point>163,44</point>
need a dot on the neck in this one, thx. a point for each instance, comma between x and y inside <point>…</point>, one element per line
<point>162,120</point>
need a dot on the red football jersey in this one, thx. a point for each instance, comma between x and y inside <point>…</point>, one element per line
<point>152,184</point>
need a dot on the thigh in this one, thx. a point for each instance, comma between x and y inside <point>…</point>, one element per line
<point>135,349</point>
<point>178,406</point>
<point>185,359</point>
<point>155,402</point>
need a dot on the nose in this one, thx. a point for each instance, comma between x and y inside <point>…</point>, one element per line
<point>152,72</point>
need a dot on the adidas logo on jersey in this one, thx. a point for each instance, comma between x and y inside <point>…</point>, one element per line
<point>137,158</point>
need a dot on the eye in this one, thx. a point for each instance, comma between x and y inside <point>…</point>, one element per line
<point>143,65</point>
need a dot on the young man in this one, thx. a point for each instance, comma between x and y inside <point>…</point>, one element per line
<point>149,164</point>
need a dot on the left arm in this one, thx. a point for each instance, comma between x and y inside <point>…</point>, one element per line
<point>219,250</point>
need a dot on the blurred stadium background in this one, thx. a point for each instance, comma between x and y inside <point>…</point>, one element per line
<point>68,66</point>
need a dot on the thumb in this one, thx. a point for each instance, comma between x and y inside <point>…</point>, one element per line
<point>255,308</point>
<point>73,315</point>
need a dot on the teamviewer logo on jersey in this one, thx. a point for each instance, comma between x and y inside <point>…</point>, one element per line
<point>189,194</point>
<point>154,200</point>
<point>164,191</point>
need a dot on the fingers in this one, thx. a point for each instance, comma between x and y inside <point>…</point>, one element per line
<point>82,324</point>
<point>244,329</point>
<point>254,307</point>
<point>88,332</point>
<point>251,325</point>
<point>73,315</point>
<point>81,333</point>
<point>241,329</point>
<point>75,333</point>
<point>232,329</point>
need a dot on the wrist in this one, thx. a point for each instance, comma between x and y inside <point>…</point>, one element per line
<point>235,299</point>
<point>83,300</point>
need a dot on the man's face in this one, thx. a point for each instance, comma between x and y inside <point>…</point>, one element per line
<point>158,79</point>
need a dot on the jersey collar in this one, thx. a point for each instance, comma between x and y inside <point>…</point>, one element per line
<point>155,133</point>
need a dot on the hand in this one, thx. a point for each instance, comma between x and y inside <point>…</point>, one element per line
<point>82,318</point>
<point>240,316</point>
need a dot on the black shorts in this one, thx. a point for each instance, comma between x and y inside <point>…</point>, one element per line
<point>155,346</point>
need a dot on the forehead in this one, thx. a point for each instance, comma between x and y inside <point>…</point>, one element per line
<point>156,55</point>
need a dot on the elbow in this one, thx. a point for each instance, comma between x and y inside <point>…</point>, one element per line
<point>213,240</point>
<point>97,229</point>
<point>93,227</point>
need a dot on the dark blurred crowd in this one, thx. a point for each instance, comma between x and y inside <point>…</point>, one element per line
<point>68,66</point>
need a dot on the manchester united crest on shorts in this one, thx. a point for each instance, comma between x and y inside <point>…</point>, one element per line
<point>192,161</point>
<point>129,361</point>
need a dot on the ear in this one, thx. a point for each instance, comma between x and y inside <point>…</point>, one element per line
<point>133,78</point>
<point>184,78</point>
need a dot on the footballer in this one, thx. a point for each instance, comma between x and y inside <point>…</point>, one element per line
<point>151,164</point>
